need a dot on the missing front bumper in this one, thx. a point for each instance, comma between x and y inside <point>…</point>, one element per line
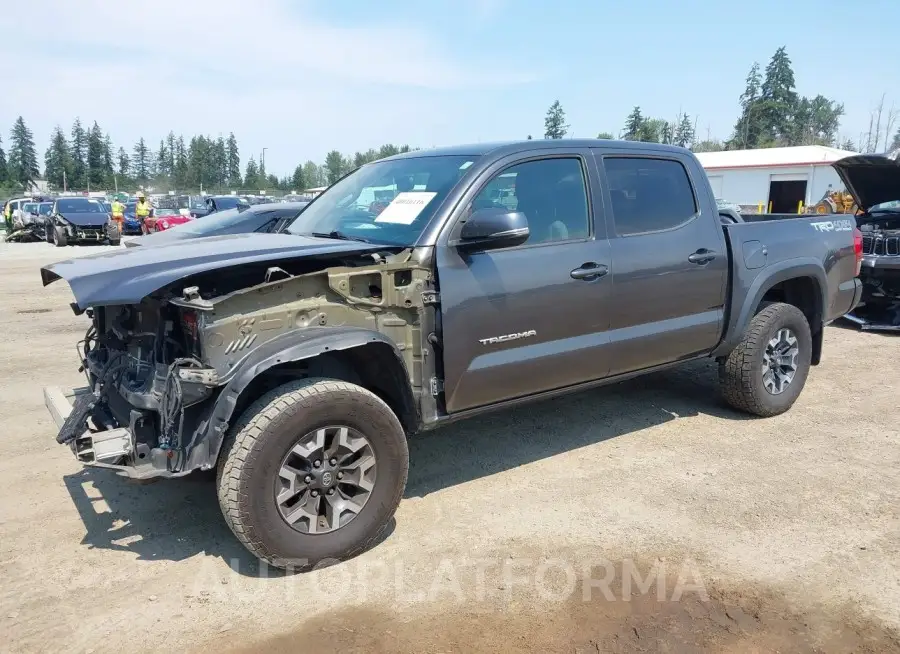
<point>104,448</point>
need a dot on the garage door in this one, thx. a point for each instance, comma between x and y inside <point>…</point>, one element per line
<point>716,182</point>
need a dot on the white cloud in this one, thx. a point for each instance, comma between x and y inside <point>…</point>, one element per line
<point>275,74</point>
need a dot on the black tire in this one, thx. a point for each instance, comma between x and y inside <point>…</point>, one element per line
<point>60,239</point>
<point>113,234</point>
<point>256,445</point>
<point>741,373</point>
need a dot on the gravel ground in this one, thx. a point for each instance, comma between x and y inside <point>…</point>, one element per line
<point>641,517</point>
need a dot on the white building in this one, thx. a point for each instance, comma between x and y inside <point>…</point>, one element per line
<point>776,179</point>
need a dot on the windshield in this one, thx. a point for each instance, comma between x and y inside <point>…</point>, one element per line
<point>29,207</point>
<point>893,205</point>
<point>44,208</point>
<point>79,205</point>
<point>387,202</point>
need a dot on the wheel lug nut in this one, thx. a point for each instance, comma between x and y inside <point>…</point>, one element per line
<point>308,478</point>
<point>315,493</point>
<point>331,491</point>
<point>333,461</point>
<point>317,464</point>
<point>340,475</point>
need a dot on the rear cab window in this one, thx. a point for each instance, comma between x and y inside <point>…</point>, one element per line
<point>648,194</point>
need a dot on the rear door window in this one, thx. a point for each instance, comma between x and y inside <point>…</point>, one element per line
<point>648,195</point>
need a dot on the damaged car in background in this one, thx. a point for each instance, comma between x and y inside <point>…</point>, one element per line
<point>874,182</point>
<point>298,363</point>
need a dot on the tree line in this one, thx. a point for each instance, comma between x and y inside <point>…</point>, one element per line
<point>85,158</point>
<point>772,114</point>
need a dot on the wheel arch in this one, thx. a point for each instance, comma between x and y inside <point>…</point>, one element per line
<point>802,283</point>
<point>356,355</point>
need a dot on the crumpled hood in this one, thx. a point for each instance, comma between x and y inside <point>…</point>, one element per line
<point>870,178</point>
<point>86,219</point>
<point>127,275</point>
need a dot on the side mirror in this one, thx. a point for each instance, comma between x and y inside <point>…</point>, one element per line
<point>492,228</point>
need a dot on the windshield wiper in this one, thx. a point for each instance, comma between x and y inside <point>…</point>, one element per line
<point>338,235</point>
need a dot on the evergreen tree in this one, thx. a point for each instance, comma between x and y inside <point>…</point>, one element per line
<point>601,135</point>
<point>4,167</point>
<point>555,126</point>
<point>251,177</point>
<point>140,162</point>
<point>684,132</point>
<point>220,161</point>
<point>162,162</point>
<point>653,130</point>
<point>848,145</point>
<point>108,157</point>
<point>298,179</point>
<point>334,166</point>
<point>23,161</point>
<point>234,161</point>
<point>633,125</point>
<point>124,163</point>
<point>779,99</point>
<point>894,144</point>
<point>170,150</point>
<point>180,176</point>
<point>58,160</point>
<point>749,127</point>
<point>312,175</point>
<point>95,159</point>
<point>78,147</point>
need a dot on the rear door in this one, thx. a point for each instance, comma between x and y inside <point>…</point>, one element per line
<point>522,320</point>
<point>669,259</point>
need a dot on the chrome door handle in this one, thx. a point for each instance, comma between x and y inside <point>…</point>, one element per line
<point>702,256</point>
<point>589,271</point>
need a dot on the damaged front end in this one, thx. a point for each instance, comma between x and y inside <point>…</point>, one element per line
<point>167,375</point>
<point>879,309</point>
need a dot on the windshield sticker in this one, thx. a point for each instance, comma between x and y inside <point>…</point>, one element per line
<point>405,208</point>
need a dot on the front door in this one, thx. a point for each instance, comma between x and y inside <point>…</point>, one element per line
<point>670,264</point>
<point>526,319</point>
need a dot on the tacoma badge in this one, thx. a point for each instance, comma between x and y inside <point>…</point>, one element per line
<point>507,337</point>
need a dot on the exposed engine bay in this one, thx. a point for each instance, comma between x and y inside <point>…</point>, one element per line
<point>879,309</point>
<point>156,370</point>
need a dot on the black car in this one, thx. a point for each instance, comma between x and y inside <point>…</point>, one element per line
<point>216,203</point>
<point>80,220</point>
<point>269,218</point>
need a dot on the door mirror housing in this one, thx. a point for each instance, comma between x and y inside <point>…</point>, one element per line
<point>492,228</point>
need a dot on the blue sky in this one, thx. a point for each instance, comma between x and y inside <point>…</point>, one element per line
<point>301,78</point>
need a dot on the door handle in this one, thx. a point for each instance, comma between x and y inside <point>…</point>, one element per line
<point>702,256</point>
<point>589,271</point>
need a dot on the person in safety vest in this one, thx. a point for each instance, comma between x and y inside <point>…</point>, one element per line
<point>118,213</point>
<point>142,211</point>
<point>7,216</point>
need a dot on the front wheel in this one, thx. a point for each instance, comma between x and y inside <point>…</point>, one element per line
<point>312,472</point>
<point>60,239</point>
<point>766,372</point>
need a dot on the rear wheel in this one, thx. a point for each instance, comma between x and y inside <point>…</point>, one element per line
<point>766,372</point>
<point>312,472</point>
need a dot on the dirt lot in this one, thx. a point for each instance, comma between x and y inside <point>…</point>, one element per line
<point>643,517</point>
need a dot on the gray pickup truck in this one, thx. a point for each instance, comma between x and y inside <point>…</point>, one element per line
<point>297,364</point>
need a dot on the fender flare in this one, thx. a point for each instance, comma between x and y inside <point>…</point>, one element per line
<point>780,272</point>
<point>289,347</point>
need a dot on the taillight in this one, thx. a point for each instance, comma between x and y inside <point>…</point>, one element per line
<point>858,249</point>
